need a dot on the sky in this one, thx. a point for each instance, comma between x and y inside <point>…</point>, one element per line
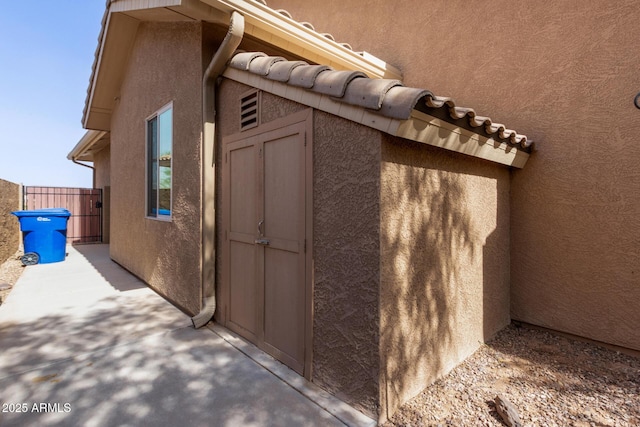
<point>46,52</point>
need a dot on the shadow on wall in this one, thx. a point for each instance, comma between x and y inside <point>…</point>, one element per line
<point>432,296</point>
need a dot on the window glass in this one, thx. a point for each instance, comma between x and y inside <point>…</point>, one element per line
<point>159,157</point>
<point>164,161</point>
<point>152,166</point>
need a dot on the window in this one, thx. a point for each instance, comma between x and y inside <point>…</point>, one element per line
<point>159,150</point>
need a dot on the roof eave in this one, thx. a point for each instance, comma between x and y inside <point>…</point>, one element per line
<point>115,43</point>
<point>122,18</point>
<point>85,148</point>
<point>117,34</point>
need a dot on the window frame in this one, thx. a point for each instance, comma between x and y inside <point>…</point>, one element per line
<point>156,115</point>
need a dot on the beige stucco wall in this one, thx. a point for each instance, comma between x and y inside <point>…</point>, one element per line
<point>10,200</point>
<point>444,263</point>
<point>566,76</point>
<point>346,248</point>
<point>102,167</point>
<point>165,66</point>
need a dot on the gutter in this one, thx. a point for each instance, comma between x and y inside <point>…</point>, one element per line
<point>82,164</point>
<point>87,141</point>
<point>214,70</point>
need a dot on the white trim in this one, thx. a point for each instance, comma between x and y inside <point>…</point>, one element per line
<point>424,128</point>
<point>86,142</point>
<point>156,114</point>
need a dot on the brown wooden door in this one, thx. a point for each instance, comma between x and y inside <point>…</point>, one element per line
<point>265,201</point>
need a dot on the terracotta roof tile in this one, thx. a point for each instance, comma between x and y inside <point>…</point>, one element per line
<point>334,83</point>
<point>368,93</point>
<point>386,97</point>
<point>262,65</point>
<point>400,100</point>
<point>281,70</point>
<point>306,76</point>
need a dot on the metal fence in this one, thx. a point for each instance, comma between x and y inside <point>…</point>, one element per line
<point>85,205</point>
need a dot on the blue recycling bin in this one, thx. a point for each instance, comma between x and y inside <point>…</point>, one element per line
<point>44,235</point>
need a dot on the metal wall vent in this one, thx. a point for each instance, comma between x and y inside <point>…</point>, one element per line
<point>249,110</point>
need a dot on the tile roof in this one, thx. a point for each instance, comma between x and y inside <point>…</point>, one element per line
<point>96,58</point>
<point>389,98</point>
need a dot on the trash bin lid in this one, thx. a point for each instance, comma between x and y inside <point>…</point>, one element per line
<point>43,212</point>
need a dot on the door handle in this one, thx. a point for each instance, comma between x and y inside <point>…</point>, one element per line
<point>262,242</point>
<point>260,224</point>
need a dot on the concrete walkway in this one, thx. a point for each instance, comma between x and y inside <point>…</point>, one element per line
<point>83,342</point>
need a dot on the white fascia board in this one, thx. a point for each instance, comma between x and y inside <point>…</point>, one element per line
<point>273,27</point>
<point>194,9</point>
<point>424,128</point>
<point>86,142</point>
<point>125,5</point>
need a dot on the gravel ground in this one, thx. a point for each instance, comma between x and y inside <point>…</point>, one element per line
<point>10,272</point>
<point>551,381</point>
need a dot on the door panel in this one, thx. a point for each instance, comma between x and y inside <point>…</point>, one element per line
<point>284,307</point>
<point>242,165</point>
<point>265,219</point>
<point>242,213</point>
<point>242,312</point>
<point>283,199</point>
<point>284,285</point>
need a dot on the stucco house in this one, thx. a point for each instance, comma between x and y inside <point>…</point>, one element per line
<point>357,228</point>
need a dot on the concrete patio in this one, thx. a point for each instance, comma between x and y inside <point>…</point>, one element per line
<point>83,342</point>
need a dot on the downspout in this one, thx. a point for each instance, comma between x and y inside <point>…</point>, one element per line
<point>214,70</point>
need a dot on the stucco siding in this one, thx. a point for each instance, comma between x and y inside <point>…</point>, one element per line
<point>346,247</point>
<point>102,167</point>
<point>9,226</point>
<point>165,66</point>
<point>566,76</point>
<point>444,263</point>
